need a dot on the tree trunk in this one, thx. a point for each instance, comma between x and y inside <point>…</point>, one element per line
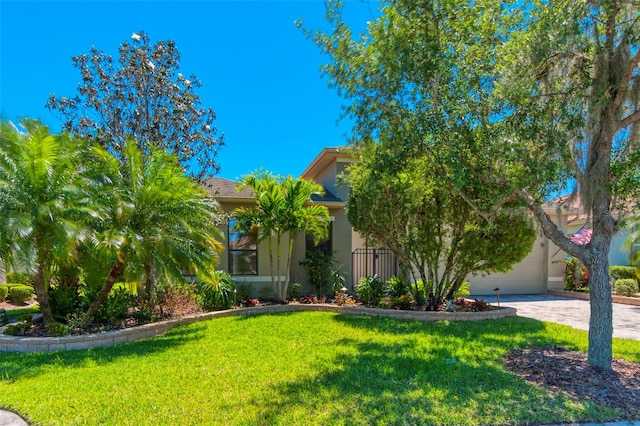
<point>116,271</point>
<point>287,272</point>
<point>271,266</point>
<point>278,257</point>
<point>41,288</point>
<point>149,277</point>
<point>3,273</point>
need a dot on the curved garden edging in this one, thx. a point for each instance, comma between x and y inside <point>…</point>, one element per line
<point>86,341</point>
<point>635,301</point>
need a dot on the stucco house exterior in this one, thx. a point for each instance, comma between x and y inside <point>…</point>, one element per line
<point>541,270</point>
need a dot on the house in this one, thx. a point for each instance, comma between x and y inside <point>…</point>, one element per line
<point>541,270</point>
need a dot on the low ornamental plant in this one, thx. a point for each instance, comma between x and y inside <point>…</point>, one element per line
<point>21,293</point>
<point>626,287</point>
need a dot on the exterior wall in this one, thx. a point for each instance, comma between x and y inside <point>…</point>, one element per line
<point>260,284</point>
<point>341,248</point>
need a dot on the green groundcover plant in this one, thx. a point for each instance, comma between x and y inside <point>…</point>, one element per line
<point>302,368</point>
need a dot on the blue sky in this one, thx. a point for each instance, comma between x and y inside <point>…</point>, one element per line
<point>258,72</point>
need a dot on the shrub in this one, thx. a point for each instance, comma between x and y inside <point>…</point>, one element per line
<point>4,291</point>
<point>19,278</point>
<point>397,287</point>
<point>309,300</point>
<point>17,329</point>
<point>63,302</point>
<point>243,291</point>
<point>4,318</point>
<point>318,265</point>
<point>294,291</point>
<point>115,308</point>
<point>217,296</point>
<point>371,290</point>
<point>618,272</point>
<point>463,291</point>
<point>57,329</point>
<point>626,287</point>
<point>401,302</point>
<point>20,294</point>
<point>575,278</point>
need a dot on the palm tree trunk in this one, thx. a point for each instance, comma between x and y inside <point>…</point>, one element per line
<point>149,284</point>
<point>40,287</point>
<point>278,256</point>
<point>271,268</point>
<point>287,272</point>
<point>3,273</point>
<point>116,271</point>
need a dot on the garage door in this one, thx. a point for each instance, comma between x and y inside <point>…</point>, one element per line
<point>525,277</point>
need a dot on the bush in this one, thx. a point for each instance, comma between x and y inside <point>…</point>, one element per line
<point>115,308</point>
<point>19,278</point>
<point>63,302</point>
<point>463,291</point>
<point>4,291</point>
<point>397,287</point>
<point>295,289</point>
<point>318,265</point>
<point>371,290</point>
<point>618,272</point>
<point>243,291</point>
<point>626,287</point>
<point>20,293</point>
<point>57,329</point>
<point>4,318</point>
<point>217,296</point>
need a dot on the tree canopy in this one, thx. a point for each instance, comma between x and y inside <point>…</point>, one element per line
<point>524,98</point>
<point>283,208</point>
<point>399,201</point>
<point>144,97</point>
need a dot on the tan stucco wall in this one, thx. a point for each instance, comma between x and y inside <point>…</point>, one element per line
<point>263,278</point>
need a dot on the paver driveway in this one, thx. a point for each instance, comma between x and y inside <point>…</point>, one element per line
<point>572,312</point>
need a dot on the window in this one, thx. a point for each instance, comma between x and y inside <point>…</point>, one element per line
<point>325,246</point>
<point>243,252</point>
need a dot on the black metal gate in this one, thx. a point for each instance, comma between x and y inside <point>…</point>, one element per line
<point>369,262</point>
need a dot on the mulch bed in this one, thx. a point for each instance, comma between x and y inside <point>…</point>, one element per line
<point>560,369</point>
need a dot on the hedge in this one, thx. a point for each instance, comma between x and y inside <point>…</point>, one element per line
<point>4,290</point>
<point>20,293</point>
<point>618,272</point>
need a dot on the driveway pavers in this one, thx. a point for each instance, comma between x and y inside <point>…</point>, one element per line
<point>571,312</point>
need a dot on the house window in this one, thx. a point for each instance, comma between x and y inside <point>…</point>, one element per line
<point>325,246</point>
<point>243,252</point>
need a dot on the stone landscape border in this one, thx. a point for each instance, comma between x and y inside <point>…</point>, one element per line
<point>635,301</point>
<point>87,341</point>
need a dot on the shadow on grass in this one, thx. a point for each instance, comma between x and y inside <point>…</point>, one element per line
<point>435,373</point>
<point>14,366</point>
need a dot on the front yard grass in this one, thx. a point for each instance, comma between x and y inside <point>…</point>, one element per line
<point>301,368</point>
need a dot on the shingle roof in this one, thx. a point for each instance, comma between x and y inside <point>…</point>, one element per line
<point>224,188</point>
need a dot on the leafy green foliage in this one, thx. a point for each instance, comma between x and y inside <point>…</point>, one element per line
<point>371,290</point>
<point>626,287</point>
<point>318,265</point>
<point>57,329</point>
<point>283,208</point>
<point>220,294</point>
<point>142,96</point>
<point>4,291</point>
<point>520,101</point>
<point>116,308</point>
<point>19,277</point>
<point>20,294</point>
<point>619,271</point>
<point>397,287</point>
<point>399,202</point>
<point>295,290</point>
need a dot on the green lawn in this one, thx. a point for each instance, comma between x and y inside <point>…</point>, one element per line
<point>301,368</point>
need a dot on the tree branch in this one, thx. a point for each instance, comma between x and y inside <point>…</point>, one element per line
<point>629,120</point>
<point>550,229</point>
<point>624,80</point>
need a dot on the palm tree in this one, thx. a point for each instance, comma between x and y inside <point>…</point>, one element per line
<point>633,240</point>
<point>156,221</point>
<point>302,215</point>
<point>283,207</point>
<point>43,204</point>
